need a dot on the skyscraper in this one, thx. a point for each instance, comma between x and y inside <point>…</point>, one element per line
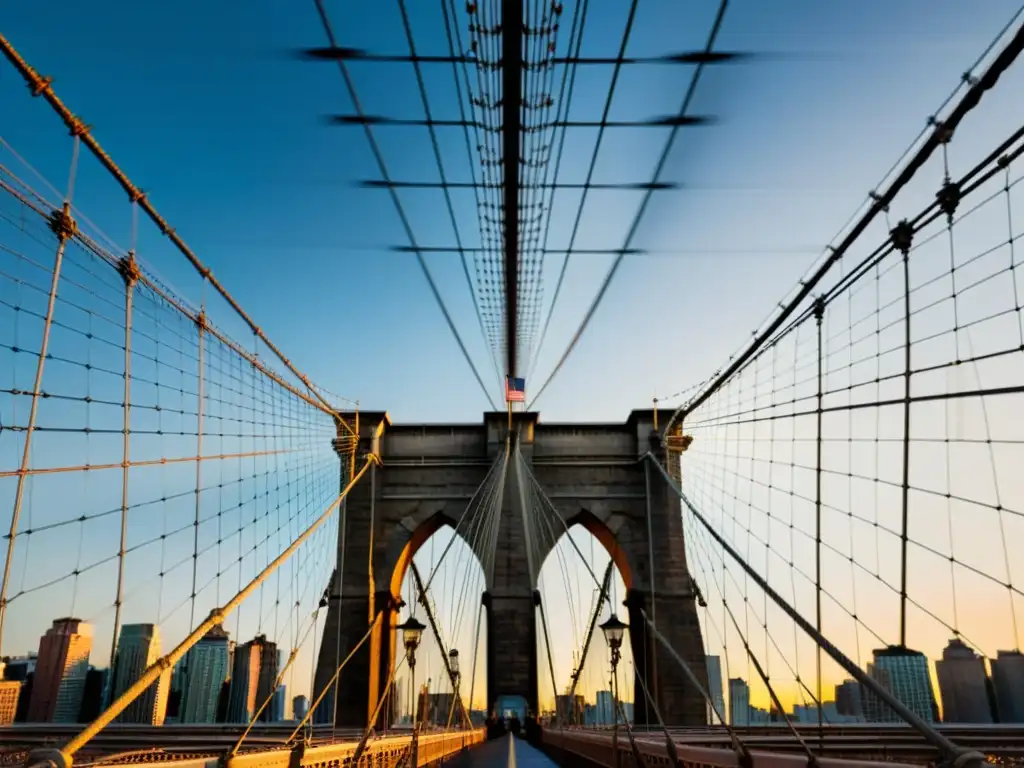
<point>96,681</point>
<point>300,706</point>
<point>714,667</point>
<point>9,691</point>
<point>571,711</point>
<point>61,668</point>
<point>605,712</point>
<point>138,647</point>
<point>904,672</point>
<point>739,701</point>
<point>963,685</point>
<point>848,699</point>
<point>252,679</point>
<point>202,672</point>
<point>1008,681</point>
<point>277,704</point>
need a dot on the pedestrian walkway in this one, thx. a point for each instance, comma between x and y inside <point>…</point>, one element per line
<point>508,752</point>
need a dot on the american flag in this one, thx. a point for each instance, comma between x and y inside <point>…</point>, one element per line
<point>515,390</point>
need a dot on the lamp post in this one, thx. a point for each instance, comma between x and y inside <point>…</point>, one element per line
<point>453,665</point>
<point>613,630</point>
<point>412,632</point>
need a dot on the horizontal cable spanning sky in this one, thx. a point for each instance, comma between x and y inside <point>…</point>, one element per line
<point>213,116</point>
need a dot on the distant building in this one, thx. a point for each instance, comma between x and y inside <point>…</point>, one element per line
<point>963,685</point>
<point>759,716</point>
<point>300,706</point>
<point>202,673</point>
<point>590,715</point>
<point>138,647</point>
<point>96,681</point>
<point>277,704</point>
<point>848,699</point>
<point>438,708</point>
<point>61,668</point>
<point>9,693</point>
<point>739,702</point>
<point>714,667</point>
<point>903,672</point>
<point>1008,682</point>
<point>604,712</point>
<point>21,670</point>
<point>324,712</point>
<point>569,712</point>
<point>20,667</point>
<point>252,679</point>
<point>400,705</point>
<point>224,701</point>
<point>806,714</point>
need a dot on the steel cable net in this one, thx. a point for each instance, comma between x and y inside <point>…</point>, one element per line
<point>862,460</point>
<point>151,468</point>
<point>458,110</point>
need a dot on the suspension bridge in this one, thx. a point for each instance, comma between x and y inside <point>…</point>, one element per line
<point>759,569</point>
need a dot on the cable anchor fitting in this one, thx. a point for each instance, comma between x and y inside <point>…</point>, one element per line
<point>129,270</point>
<point>76,127</point>
<point>62,224</point>
<point>943,133</point>
<point>877,200</point>
<point>902,236</point>
<point>41,85</point>
<point>949,198</point>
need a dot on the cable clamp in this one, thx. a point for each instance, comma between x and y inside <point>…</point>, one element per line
<point>902,236</point>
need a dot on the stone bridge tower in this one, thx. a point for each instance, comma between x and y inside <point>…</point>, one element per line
<point>593,474</point>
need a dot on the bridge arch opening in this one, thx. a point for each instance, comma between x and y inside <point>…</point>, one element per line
<point>454,580</point>
<point>568,583</point>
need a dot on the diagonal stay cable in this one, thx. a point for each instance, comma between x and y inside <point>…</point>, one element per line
<point>450,26</point>
<point>399,208</point>
<point>961,756</point>
<point>565,100</point>
<point>550,507</point>
<point>410,38</point>
<point>42,86</point>
<point>467,514</point>
<point>635,226</point>
<point>880,202</point>
<point>593,164</point>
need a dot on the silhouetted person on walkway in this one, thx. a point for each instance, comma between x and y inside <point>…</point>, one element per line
<point>499,727</point>
<point>532,728</point>
<point>515,725</point>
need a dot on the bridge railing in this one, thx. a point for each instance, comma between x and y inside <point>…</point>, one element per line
<point>431,747</point>
<point>597,747</point>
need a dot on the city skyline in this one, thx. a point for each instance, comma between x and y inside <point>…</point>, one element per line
<point>207,693</point>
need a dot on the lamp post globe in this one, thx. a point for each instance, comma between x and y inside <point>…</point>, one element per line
<point>412,632</point>
<point>614,629</point>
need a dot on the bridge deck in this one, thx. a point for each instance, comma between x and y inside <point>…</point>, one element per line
<point>508,752</point>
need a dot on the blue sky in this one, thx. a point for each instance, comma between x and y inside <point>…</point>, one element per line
<point>208,109</point>
<point>224,129</point>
